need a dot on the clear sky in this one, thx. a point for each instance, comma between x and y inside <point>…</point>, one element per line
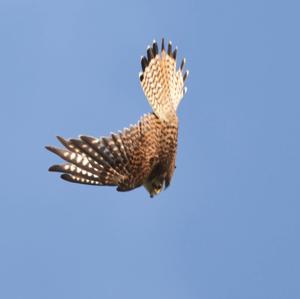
<point>228,226</point>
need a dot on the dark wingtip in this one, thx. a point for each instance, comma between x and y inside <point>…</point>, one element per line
<point>63,141</point>
<point>141,76</point>
<point>144,63</point>
<point>50,148</point>
<point>86,138</point>
<point>170,48</point>
<point>182,64</point>
<point>67,177</point>
<point>175,53</point>
<point>162,44</point>
<point>185,75</point>
<point>53,168</point>
<point>150,54</point>
<point>155,48</point>
<point>60,139</point>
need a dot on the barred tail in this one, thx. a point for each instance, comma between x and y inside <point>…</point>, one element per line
<point>163,85</point>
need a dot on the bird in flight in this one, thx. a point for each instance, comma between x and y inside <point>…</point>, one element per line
<point>143,154</point>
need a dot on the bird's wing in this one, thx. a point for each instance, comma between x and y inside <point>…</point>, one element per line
<point>122,159</point>
<point>163,85</point>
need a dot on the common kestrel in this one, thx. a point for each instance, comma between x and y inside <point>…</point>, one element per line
<point>143,154</point>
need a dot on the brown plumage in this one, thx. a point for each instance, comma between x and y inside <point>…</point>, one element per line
<point>143,154</point>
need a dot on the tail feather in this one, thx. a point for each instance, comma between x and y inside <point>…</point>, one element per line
<point>162,84</point>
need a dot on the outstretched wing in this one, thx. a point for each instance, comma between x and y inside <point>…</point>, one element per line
<point>163,85</point>
<point>123,159</point>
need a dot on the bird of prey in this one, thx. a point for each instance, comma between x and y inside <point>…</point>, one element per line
<point>143,154</point>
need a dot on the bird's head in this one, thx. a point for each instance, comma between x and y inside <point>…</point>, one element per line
<point>155,185</point>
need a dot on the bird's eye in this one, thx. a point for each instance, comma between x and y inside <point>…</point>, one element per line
<point>157,186</point>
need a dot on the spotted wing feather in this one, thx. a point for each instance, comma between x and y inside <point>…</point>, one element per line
<point>122,159</point>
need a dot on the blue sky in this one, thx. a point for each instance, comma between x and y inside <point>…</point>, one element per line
<point>228,227</point>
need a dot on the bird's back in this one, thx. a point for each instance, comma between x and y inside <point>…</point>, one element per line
<point>154,151</point>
